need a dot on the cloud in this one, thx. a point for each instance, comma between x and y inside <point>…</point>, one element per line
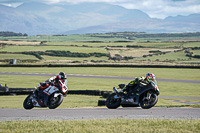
<point>164,8</point>
<point>81,1</point>
<point>154,8</point>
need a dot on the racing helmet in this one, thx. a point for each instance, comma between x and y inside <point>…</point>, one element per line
<point>151,77</point>
<point>62,76</point>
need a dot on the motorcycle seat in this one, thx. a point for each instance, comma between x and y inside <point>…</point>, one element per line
<point>43,84</point>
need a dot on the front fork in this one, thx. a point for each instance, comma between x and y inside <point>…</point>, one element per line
<point>148,95</point>
<point>115,90</point>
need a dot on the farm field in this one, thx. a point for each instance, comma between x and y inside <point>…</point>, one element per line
<point>17,56</point>
<point>45,48</point>
<point>111,48</point>
<point>124,48</point>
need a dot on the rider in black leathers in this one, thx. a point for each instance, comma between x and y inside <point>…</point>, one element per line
<point>132,85</point>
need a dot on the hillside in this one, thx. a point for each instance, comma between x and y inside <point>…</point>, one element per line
<point>37,18</point>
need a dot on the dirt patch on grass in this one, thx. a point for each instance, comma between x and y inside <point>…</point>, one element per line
<point>20,42</point>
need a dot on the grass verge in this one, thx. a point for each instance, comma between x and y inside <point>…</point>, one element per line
<point>102,126</point>
<point>71,101</point>
<point>81,101</point>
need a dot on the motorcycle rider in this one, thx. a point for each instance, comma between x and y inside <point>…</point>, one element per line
<point>132,85</point>
<point>56,81</point>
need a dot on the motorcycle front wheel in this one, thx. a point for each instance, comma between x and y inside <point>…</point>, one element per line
<point>28,102</point>
<point>113,103</point>
<point>148,100</point>
<point>54,102</point>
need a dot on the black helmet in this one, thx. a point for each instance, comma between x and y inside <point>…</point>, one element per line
<point>62,75</point>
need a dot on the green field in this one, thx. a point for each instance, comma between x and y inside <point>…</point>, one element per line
<point>103,126</point>
<point>162,73</point>
<point>70,101</point>
<point>191,44</point>
<point>170,57</point>
<point>89,44</point>
<point>83,101</point>
<point>44,48</point>
<point>68,38</point>
<point>18,57</point>
<point>166,88</point>
<point>124,48</point>
<point>160,44</point>
<point>111,37</point>
<point>117,46</point>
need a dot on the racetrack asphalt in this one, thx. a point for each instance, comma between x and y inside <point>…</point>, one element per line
<point>99,113</point>
<point>103,77</point>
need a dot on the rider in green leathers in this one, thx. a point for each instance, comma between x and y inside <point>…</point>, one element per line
<point>150,77</point>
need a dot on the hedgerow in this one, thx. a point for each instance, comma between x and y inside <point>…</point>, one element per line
<point>64,54</point>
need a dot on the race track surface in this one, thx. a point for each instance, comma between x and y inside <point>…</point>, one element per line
<point>99,113</point>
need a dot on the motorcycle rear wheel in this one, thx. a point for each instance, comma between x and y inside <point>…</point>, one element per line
<point>28,102</point>
<point>54,102</point>
<point>113,103</point>
<point>148,103</point>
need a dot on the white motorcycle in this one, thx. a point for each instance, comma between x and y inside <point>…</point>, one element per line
<point>55,97</point>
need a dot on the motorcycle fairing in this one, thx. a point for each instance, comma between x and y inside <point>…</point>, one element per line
<point>143,89</point>
<point>50,90</point>
<point>56,94</point>
<point>37,103</point>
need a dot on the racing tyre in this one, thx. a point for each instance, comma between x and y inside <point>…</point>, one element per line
<point>148,100</point>
<point>113,103</point>
<point>28,102</point>
<point>54,102</point>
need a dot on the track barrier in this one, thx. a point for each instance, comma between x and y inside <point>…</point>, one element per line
<point>25,91</point>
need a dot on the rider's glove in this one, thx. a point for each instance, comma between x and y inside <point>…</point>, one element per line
<point>51,83</point>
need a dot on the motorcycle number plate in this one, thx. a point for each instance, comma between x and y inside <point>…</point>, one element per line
<point>50,90</point>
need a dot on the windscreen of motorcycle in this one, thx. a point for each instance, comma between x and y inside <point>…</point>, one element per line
<point>155,82</point>
<point>66,82</point>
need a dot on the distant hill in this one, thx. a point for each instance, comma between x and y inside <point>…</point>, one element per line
<point>37,18</point>
<point>143,25</point>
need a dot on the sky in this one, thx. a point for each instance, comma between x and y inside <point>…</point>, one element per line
<point>154,8</point>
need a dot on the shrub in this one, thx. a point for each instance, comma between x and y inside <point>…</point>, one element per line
<point>36,54</point>
<point>155,51</point>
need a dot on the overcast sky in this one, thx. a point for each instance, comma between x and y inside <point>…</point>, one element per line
<point>154,8</point>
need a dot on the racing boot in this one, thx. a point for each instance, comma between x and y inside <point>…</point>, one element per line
<point>35,92</point>
<point>121,94</point>
<point>46,97</point>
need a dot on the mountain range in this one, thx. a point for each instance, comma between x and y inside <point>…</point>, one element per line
<point>36,18</point>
